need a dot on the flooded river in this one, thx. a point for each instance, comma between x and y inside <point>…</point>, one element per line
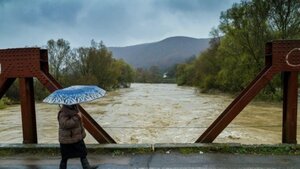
<point>156,113</point>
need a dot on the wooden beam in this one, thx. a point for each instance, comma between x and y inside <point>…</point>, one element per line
<point>28,110</point>
<point>290,100</point>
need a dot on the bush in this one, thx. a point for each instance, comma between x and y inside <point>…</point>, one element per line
<point>4,102</point>
<point>2,105</point>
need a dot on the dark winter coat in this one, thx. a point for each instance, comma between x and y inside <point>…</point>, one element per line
<point>70,126</point>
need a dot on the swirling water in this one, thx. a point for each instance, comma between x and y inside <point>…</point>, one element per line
<point>156,113</point>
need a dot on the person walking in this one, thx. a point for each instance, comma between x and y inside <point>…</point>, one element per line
<point>71,135</point>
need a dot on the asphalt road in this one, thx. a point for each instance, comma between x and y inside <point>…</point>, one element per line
<point>168,160</point>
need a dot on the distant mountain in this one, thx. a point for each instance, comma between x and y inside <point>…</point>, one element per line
<point>164,53</point>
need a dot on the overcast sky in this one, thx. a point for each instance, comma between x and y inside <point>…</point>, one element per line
<point>115,22</point>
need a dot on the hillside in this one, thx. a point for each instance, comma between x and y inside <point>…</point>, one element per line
<point>164,53</point>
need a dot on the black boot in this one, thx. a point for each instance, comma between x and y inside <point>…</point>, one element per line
<point>86,165</point>
<point>63,164</point>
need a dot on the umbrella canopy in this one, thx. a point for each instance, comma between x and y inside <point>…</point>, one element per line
<point>75,95</point>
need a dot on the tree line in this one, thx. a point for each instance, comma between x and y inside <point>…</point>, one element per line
<point>236,52</point>
<point>155,74</point>
<point>92,65</point>
<point>89,65</point>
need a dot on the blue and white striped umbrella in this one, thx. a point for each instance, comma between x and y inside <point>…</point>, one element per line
<point>75,95</point>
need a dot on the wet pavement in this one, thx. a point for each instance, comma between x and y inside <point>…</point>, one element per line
<point>156,160</point>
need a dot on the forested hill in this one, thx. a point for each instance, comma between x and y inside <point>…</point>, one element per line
<point>164,53</point>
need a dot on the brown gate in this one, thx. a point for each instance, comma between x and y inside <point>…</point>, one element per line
<point>26,63</point>
<point>280,56</point>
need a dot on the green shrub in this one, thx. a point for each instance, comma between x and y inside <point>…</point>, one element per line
<point>4,102</point>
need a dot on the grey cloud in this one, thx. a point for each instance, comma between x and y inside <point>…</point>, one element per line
<point>193,5</point>
<point>116,22</point>
<point>36,11</point>
<point>65,11</point>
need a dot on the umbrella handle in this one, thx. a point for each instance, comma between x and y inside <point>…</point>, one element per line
<point>79,114</point>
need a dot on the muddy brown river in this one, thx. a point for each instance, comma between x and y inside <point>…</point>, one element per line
<point>156,113</point>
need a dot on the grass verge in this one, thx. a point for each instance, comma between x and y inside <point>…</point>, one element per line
<point>119,149</point>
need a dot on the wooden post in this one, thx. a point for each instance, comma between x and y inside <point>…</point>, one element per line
<point>28,110</point>
<point>290,100</point>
